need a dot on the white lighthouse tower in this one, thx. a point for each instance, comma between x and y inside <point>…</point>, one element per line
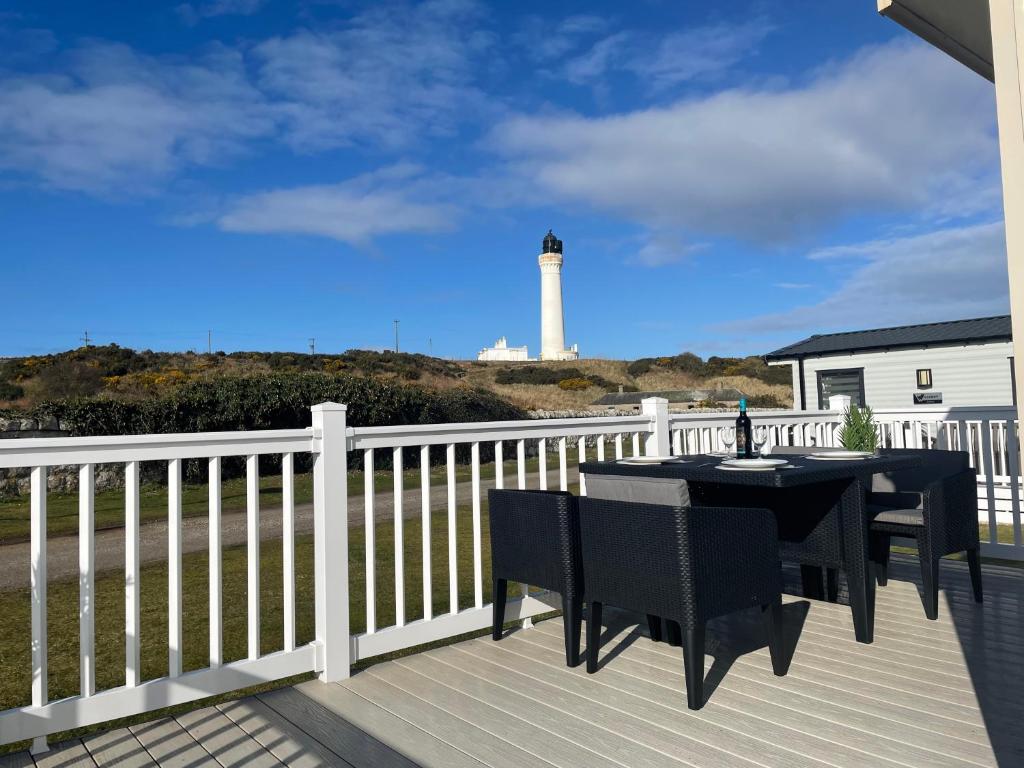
<point>552,323</point>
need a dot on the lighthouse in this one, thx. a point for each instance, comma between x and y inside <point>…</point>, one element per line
<point>552,321</point>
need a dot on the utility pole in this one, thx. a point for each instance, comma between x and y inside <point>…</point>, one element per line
<point>396,335</point>
<point>430,347</point>
<point>209,342</point>
<point>312,345</point>
<point>85,339</point>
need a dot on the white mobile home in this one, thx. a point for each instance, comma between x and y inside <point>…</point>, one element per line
<point>957,363</point>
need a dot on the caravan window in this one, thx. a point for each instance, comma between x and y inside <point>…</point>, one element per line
<point>848,381</point>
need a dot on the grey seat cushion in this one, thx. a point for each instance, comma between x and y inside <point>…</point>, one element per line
<point>897,516</point>
<point>642,490</point>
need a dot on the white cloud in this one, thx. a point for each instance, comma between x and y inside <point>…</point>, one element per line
<point>119,122</point>
<point>391,75</point>
<point>896,126</point>
<point>398,199</point>
<point>660,249</point>
<point>946,274</point>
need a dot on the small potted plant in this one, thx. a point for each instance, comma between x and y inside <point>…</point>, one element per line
<point>859,431</point>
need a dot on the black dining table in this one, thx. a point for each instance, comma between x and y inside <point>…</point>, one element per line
<point>820,506</point>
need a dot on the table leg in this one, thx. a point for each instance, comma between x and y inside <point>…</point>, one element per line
<point>859,571</point>
<point>810,576</point>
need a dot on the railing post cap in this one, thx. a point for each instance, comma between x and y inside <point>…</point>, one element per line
<point>655,400</point>
<point>324,407</point>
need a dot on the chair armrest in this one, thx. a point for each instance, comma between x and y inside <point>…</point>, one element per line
<point>950,507</point>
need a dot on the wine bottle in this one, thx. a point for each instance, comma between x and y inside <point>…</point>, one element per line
<point>743,441</point>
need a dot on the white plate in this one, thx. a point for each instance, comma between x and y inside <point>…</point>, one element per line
<point>652,460</point>
<point>755,463</point>
<point>719,454</point>
<point>839,457</point>
<point>735,468</point>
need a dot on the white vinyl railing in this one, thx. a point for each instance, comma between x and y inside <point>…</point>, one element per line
<point>988,434</point>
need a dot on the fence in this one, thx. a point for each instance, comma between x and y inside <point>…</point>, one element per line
<point>988,434</point>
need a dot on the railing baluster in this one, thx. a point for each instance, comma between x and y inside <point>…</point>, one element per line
<point>288,547</point>
<point>677,442</point>
<point>370,523</point>
<point>86,583</point>
<point>563,465</point>
<point>478,566</point>
<point>428,595</point>
<point>252,507</point>
<point>600,447</point>
<point>990,489</point>
<point>132,595</point>
<point>542,463</point>
<point>521,463</point>
<point>1013,470</point>
<point>453,553</point>
<point>499,465</point>
<point>636,443</point>
<point>174,567</point>
<point>396,465</point>
<point>216,584</point>
<point>582,446</point>
<point>618,446</point>
<point>37,549</point>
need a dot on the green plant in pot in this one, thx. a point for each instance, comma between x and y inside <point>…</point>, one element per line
<point>859,431</point>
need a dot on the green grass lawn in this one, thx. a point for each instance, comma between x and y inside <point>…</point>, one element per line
<point>62,508</point>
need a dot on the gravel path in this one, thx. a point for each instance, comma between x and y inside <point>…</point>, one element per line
<point>62,551</point>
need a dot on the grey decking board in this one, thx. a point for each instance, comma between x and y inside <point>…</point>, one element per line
<point>170,745</point>
<point>341,737</point>
<point>773,705</point>
<point>834,716</point>
<point>702,746</point>
<point>402,736</point>
<point>67,754</point>
<point>543,744</point>
<point>547,712</point>
<point>228,744</point>
<point>20,759</point>
<point>117,748</point>
<point>789,738</point>
<point>292,746</point>
<point>464,736</point>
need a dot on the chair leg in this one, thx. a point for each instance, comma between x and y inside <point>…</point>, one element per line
<point>776,639</point>
<point>693,665</point>
<point>930,583</point>
<point>593,635</point>
<point>572,621</point>
<point>810,576</point>
<point>499,595</point>
<point>654,627</point>
<point>880,557</point>
<point>974,562</point>
<point>832,585</point>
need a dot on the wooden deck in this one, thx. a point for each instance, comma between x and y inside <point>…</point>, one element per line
<point>944,693</point>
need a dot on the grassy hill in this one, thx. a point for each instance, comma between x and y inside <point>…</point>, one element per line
<point>118,373</point>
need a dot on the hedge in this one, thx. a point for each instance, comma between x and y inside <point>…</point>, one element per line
<point>279,401</point>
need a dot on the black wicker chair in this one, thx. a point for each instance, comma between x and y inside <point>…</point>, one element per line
<point>936,504</point>
<point>535,539</point>
<point>686,564</point>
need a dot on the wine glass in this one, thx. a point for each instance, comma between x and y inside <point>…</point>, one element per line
<point>727,436</point>
<point>760,436</point>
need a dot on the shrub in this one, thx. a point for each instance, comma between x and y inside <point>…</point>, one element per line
<point>859,432</point>
<point>10,391</point>
<point>765,401</point>
<point>575,384</point>
<point>538,374</point>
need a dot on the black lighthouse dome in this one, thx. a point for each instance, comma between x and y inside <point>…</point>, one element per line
<point>551,243</point>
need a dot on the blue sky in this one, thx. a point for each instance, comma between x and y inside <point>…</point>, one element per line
<point>726,178</point>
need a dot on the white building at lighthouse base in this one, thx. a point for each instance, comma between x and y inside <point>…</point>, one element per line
<point>502,352</point>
